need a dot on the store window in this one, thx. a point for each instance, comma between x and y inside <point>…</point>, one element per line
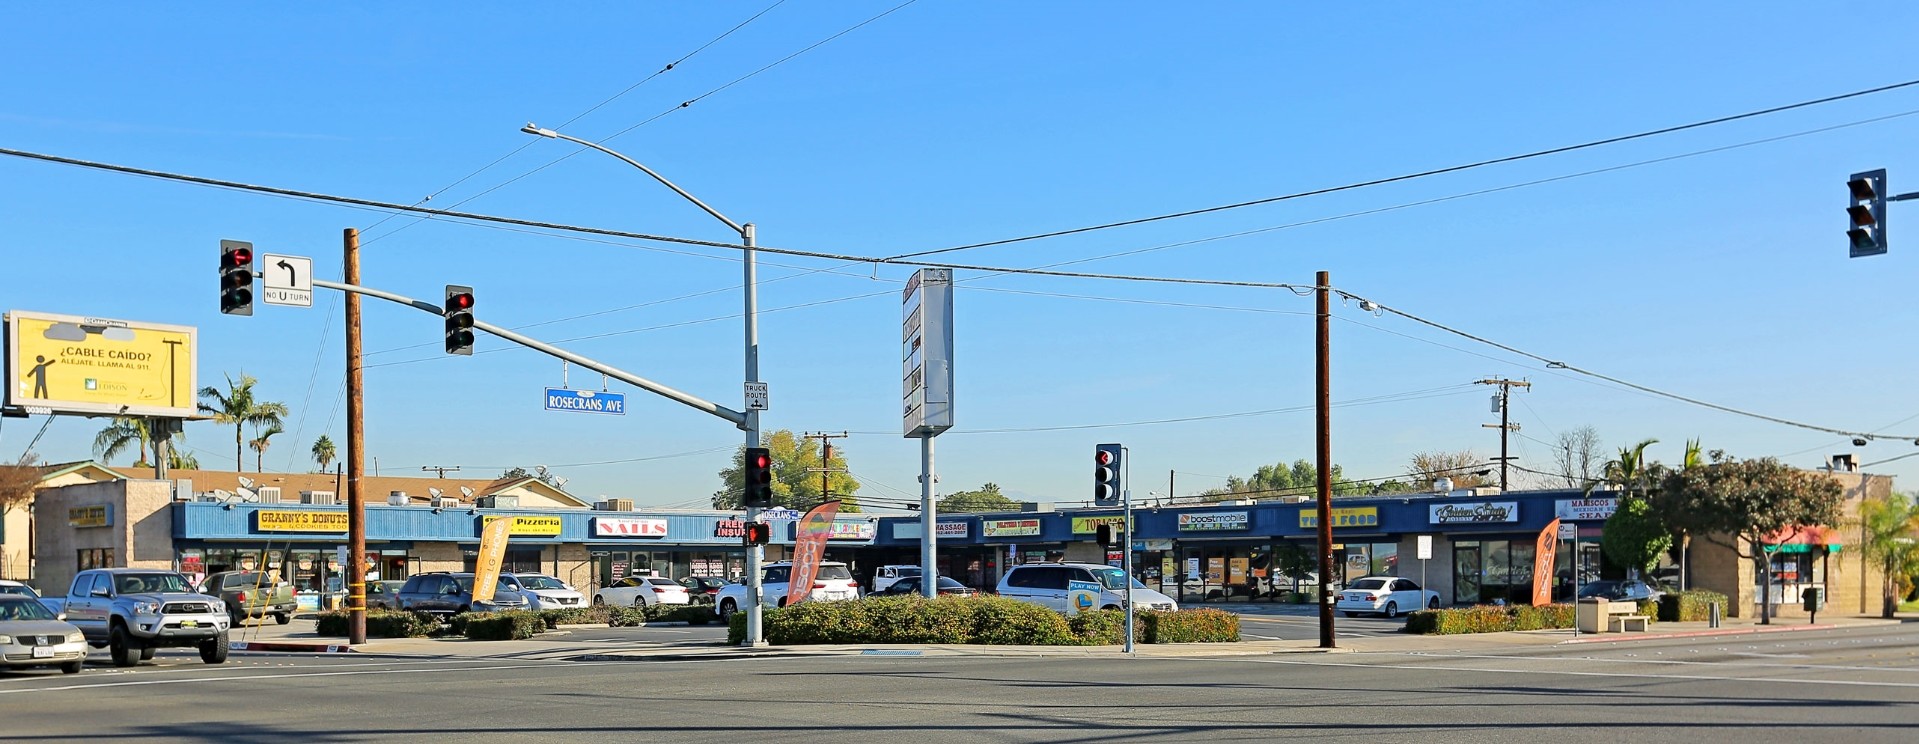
<point>1492,571</point>
<point>95,558</point>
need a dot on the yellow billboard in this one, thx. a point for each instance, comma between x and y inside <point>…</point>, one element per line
<point>74,364</point>
<point>528,525</point>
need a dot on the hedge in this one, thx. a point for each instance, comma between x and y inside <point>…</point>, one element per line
<point>1691,606</point>
<point>503,626</point>
<point>1489,619</point>
<point>691,614</point>
<point>618,617</point>
<point>977,620</point>
<point>379,624</point>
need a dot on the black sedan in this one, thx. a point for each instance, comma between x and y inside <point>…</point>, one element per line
<point>911,585</point>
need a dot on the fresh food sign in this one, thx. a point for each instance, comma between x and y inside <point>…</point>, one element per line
<point>1345,516</point>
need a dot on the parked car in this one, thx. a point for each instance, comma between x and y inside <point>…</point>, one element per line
<point>911,586</point>
<point>383,595</point>
<point>702,589</point>
<point>252,594</point>
<point>1050,584</point>
<point>543,592</point>
<point>133,611</point>
<point>18,589</point>
<point>32,636</point>
<point>442,593</point>
<point>832,582</point>
<point>1620,590</point>
<point>640,591</point>
<point>1386,596</point>
<point>886,575</point>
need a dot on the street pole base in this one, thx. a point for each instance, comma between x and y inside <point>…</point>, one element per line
<point>761,643</point>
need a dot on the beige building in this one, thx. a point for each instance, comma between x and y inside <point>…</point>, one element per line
<point>1830,557</point>
<point>16,526</point>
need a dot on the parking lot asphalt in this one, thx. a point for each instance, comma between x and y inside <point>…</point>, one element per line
<point>1262,633</point>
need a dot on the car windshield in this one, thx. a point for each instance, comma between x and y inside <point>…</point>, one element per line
<point>19,589</point>
<point>150,583</point>
<point>466,585</point>
<point>18,607</point>
<point>946,583</point>
<point>541,582</point>
<point>1601,589</point>
<point>831,572</point>
<point>1368,584</point>
<point>1113,578</point>
<point>242,581</point>
<point>712,583</point>
<point>905,571</point>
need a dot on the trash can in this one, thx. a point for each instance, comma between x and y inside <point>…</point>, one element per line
<point>1590,615</point>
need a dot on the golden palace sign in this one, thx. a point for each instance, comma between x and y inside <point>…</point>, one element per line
<point>300,521</point>
<point>527,525</point>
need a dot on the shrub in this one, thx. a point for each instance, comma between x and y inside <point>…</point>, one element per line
<point>1105,627</point>
<point>1010,622</point>
<point>573,616</point>
<point>692,614</point>
<point>1527,617</point>
<point>736,629</point>
<point>456,624</point>
<point>1490,619</point>
<point>1690,606</point>
<point>379,624</point>
<point>624,617</point>
<point>1190,626</point>
<point>503,626</point>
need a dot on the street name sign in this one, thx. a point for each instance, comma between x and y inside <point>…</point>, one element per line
<point>585,401</point>
<point>286,280</point>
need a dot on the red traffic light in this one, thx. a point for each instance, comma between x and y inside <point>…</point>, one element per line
<point>1103,458</point>
<point>762,461</point>
<point>461,301</point>
<point>240,257</point>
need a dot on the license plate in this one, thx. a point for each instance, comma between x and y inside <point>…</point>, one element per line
<point>43,652</point>
<point>189,623</point>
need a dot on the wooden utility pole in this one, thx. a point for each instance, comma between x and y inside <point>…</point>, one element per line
<point>1323,402</point>
<point>1505,425</point>
<point>826,469</point>
<point>355,451</point>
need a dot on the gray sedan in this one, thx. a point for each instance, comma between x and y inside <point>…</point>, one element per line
<point>32,636</point>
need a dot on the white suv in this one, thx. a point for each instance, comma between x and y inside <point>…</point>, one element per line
<point>832,582</point>
<point>1052,585</point>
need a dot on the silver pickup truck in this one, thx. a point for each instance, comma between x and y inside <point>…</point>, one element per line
<point>133,611</point>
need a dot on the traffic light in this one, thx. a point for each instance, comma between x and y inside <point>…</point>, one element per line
<point>236,277</point>
<point>1107,487</point>
<point>1868,213</point>
<point>759,478</point>
<point>1108,535</point>
<point>758,533</point>
<point>459,320</point>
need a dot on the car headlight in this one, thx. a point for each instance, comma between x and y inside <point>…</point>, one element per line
<point>76,638</point>
<point>146,608</point>
<point>6,640</point>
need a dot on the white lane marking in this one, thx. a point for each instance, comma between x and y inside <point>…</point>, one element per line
<point>247,678</point>
<point>1623,675</point>
<point>1636,660</point>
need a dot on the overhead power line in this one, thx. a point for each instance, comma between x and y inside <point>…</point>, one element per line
<point>1420,174</point>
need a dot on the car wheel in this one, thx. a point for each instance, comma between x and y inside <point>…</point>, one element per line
<point>283,618</point>
<point>639,601</point>
<point>1352,614</point>
<point>124,654</point>
<point>465,609</point>
<point>215,651</point>
<point>72,667</point>
<point>146,653</point>
<point>782,602</point>
<point>1392,610</point>
<point>1110,607</point>
<point>727,608</point>
<point>599,601</point>
<point>1432,604</point>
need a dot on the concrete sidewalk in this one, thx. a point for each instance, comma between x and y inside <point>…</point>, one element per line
<point>560,645</point>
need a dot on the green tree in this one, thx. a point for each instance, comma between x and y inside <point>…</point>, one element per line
<point>261,442</point>
<point>1465,468</point>
<point>238,408</point>
<point>1276,480</point>
<point>1892,543</point>
<point>796,480</point>
<point>123,432</point>
<point>1635,537</point>
<point>323,452</point>
<point>1740,504</point>
<point>539,473</point>
<point>986,499</point>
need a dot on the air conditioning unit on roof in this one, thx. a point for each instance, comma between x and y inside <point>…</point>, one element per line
<point>499,502</point>
<point>615,505</point>
<point>269,494</point>
<point>319,497</point>
<point>397,498</point>
<point>446,502</point>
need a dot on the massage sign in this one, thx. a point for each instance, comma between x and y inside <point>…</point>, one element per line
<point>1475,513</point>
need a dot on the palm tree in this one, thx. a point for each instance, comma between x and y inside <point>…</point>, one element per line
<point>238,408</point>
<point>123,432</point>
<point>260,444</point>
<point>1632,471</point>
<point>323,452</point>
<point>1892,543</point>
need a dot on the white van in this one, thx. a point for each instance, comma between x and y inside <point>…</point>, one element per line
<point>886,575</point>
<point>1049,583</point>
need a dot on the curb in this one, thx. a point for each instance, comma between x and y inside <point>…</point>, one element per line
<point>286,647</point>
<point>1751,630</point>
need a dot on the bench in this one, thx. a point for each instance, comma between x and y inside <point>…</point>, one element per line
<point>1619,623</point>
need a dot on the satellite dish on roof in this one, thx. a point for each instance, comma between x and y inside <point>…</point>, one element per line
<point>541,469</point>
<point>435,491</point>
<point>559,481</point>
<point>467,492</point>
<point>246,482</point>
<point>246,494</point>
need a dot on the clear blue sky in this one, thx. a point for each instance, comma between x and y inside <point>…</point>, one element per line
<point>1721,276</point>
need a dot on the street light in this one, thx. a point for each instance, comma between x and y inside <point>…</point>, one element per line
<point>754,554</point>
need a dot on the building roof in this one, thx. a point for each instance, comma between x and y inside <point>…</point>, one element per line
<point>376,488</point>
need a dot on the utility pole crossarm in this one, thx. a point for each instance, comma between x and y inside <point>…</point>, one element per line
<point>738,419</point>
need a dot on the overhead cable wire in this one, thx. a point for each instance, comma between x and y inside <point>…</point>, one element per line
<point>1420,174</point>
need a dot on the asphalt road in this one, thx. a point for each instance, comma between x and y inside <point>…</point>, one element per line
<point>1854,685</point>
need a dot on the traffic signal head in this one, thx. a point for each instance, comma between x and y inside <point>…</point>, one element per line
<point>759,477</point>
<point>758,533</point>
<point>1867,233</point>
<point>1107,488</point>
<point>236,277</point>
<point>1107,535</point>
<point>459,320</point>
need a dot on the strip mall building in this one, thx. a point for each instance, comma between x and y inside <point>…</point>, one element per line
<point>1470,546</point>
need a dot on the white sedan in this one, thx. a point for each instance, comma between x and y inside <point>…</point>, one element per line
<point>1387,596</point>
<point>639,591</point>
